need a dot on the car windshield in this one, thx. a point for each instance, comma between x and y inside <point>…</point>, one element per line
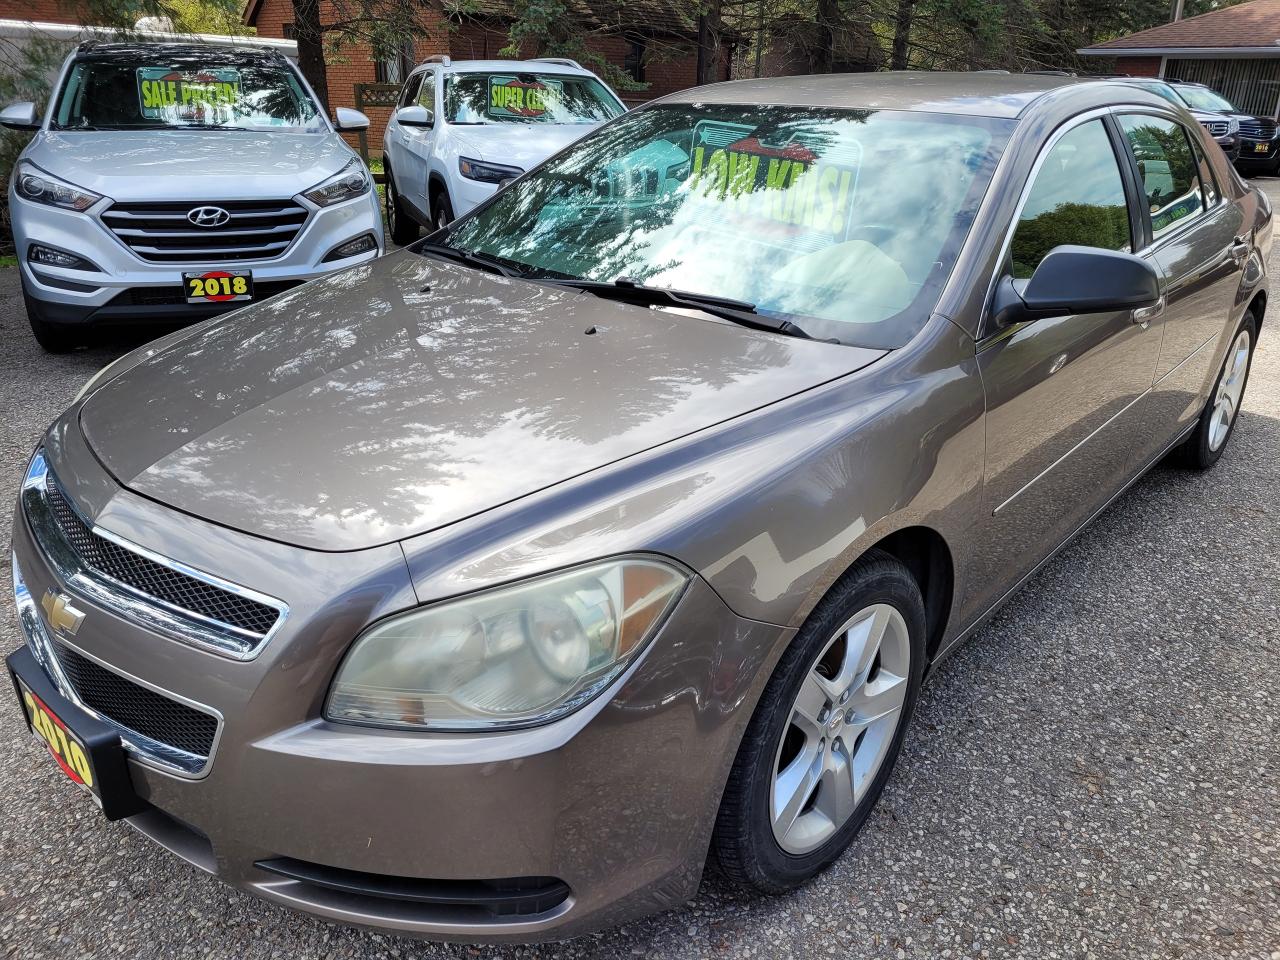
<point>1202,98</point>
<point>146,90</point>
<point>476,98</point>
<point>844,222</point>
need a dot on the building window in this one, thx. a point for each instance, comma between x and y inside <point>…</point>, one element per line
<point>287,30</point>
<point>633,61</point>
<point>395,68</point>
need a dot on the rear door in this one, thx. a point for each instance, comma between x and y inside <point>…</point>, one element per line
<point>1201,242</point>
<point>1062,391</point>
<point>395,138</point>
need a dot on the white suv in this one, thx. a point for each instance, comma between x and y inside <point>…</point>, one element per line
<point>463,128</point>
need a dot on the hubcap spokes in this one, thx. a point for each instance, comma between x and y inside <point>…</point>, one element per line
<point>1226,403</point>
<point>841,726</point>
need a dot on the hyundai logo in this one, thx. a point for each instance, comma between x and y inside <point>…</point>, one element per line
<point>208,216</point>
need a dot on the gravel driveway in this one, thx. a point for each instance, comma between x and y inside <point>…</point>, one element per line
<point>1096,775</point>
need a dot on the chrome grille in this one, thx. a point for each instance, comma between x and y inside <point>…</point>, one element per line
<point>1217,128</point>
<point>155,579</point>
<point>135,707</point>
<point>162,232</point>
<point>1258,128</point>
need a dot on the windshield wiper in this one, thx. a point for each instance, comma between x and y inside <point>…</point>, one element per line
<point>478,261</point>
<point>735,311</point>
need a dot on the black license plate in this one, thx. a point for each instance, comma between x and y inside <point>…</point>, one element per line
<point>87,750</point>
<point>218,286</point>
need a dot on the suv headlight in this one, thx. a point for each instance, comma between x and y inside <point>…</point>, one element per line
<point>510,657</point>
<point>487,172</point>
<point>351,181</point>
<point>32,183</point>
<point>1233,125</point>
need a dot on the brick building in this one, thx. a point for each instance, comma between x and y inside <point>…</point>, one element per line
<point>653,41</point>
<point>1235,50</point>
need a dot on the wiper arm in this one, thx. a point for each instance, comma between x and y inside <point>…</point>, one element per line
<point>735,311</point>
<point>478,261</point>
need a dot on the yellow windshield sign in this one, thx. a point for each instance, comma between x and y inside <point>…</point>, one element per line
<point>163,92</point>
<point>512,97</point>
<point>787,182</point>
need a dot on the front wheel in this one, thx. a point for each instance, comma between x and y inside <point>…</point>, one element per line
<point>441,209</point>
<point>53,337</point>
<point>827,731</point>
<point>1217,422</point>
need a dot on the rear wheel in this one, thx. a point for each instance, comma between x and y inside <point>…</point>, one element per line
<point>1202,449</point>
<point>826,732</point>
<point>402,227</point>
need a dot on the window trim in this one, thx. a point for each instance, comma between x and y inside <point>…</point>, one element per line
<point>414,75</point>
<point>987,335</point>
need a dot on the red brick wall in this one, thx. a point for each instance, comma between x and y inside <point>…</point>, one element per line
<point>1138,66</point>
<point>44,11</point>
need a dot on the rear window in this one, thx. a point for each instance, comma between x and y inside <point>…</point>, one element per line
<point>145,91</point>
<point>477,98</point>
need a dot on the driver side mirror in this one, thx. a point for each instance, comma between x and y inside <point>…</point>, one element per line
<point>415,115</point>
<point>20,116</point>
<point>347,119</point>
<point>1074,279</point>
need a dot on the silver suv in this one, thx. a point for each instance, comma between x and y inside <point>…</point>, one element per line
<point>172,182</point>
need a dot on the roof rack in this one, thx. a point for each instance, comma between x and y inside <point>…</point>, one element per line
<point>441,58</point>
<point>563,61</point>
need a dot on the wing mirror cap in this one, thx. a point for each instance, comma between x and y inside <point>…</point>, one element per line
<point>344,118</point>
<point>415,115</point>
<point>1072,280</point>
<point>20,116</point>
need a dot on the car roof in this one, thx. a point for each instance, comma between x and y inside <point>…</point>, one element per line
<point>92,50</point>
<point>985,94</point>
<point>523,66</point>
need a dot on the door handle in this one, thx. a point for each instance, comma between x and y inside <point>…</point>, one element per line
<point>1240,249</point>
<point>1144,315</point>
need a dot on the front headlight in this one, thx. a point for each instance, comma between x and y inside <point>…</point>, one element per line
<point>351,181</point>
<point>511,657</point>
<point>32,183</point>
<point>1233,126</point>
<point>487,172</point>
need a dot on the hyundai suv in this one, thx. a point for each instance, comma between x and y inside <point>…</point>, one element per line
<point>171,182</point>
<point>464,128</point>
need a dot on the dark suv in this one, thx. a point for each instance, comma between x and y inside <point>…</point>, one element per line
<point>1215,113</point>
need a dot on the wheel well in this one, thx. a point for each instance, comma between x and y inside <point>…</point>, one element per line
<point>436,186</point>
<point>1258,306</point>
<point>924,552</point>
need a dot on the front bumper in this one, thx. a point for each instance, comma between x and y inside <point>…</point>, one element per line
<point>612,806</point>
<point>1258,151</point>
<point>128,288</point>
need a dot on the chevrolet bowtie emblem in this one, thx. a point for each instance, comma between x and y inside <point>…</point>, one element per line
<point>62,615</point>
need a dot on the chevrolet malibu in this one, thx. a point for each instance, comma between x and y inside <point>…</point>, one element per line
<point>484,591</point>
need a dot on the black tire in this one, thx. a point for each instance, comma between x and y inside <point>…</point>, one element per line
<point>53,337</point>
<point>1197,451</point>
<point>441,209</point>
<point>400,224</point>
<point>743,840</point>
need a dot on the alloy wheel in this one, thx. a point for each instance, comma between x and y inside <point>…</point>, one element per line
<point>389,196</point>
<point>841,727</point>
<point>1226,403</point>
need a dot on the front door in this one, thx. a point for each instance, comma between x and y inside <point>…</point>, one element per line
<point>1061,392</point>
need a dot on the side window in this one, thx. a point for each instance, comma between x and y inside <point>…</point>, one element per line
<point>427,97</point>
<point>1207,179</point>
<point>410,92</point>
<point>1167,168</point>
<point>1077,197</point>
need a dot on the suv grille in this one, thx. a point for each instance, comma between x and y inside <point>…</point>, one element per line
<point>161,232</point>
<point>155,579</point>
<point>134,706</point>
<point>1217,128</point>
<point>1258,128</point>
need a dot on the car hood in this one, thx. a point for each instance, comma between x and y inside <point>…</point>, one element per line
<point>191,164</point>
<point>406,394</point>
<point>523,144</point>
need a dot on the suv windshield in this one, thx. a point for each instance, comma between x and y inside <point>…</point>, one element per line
<point>1202,98</point>
<point>846,222</point>
<point>476,98</point>
<point>147,90</point>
